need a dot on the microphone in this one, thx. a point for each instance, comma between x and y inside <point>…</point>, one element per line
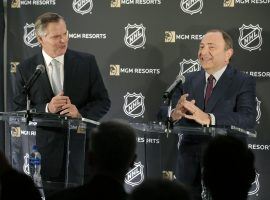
<point>179,79</point>
<point>39,69</point>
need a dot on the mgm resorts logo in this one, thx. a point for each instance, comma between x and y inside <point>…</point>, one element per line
<point>135,176</point>
<point>191,6</point>
<point>171,36</point>
<point>232,3</point>
<point>29,36</point>
<point>82,6</point>
<point>250,37</point>
<point>135,36</point>
<point>20,3</point>
<point>187,66</point>
<point>117,70</point>
<point>134,104</point>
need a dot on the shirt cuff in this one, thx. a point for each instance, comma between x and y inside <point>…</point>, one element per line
<point>213,119</point>
<point>46,108</point>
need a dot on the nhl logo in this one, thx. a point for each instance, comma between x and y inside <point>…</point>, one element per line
<point>29,36</point>
<point>82,6</point>
<point>255,186</point>
<point>187,66</point>
<point>191,6</point>
<point>250,37</point>
<point>135,36</point>
<point>26,168</point>
<point>135,176</point>
<point>134,104</point>
<point>258,108</point>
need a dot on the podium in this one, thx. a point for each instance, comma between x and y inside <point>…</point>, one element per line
<point>157,149</point>
<point>60,140</point>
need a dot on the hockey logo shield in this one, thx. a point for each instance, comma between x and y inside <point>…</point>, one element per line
<point>82,6</point>
<point>258,108</point>
<point>250,37</point>
<point>26,169</point>
<point>135,176</point>
<point>135,36</point>
<point>191,6</point>
<point>134,104</point>
<point>29,36</point>
<point>187,66</point>
<point>255,187</point>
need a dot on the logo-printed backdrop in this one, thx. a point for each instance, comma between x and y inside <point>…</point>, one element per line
<point>141,46</point>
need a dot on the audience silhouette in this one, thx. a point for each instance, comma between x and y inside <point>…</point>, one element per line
<point>160,189</point>
<point>15,185</point>
<point>228,168</point>
<point>111,153</point>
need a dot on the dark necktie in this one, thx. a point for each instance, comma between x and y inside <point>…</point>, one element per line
<point>209,88</point>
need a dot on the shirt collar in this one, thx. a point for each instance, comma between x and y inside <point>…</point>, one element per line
<point>217,74</point>
<point>48,58</point>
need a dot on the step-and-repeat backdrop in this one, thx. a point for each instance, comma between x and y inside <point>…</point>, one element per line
<point>142,45</point>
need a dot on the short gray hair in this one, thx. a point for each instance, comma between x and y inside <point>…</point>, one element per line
<point>43,20</point>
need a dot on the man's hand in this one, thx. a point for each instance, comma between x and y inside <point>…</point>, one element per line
<point>70,110</point>
<point>57,102</point>
<point>196,113</point>
<point>180,110</point>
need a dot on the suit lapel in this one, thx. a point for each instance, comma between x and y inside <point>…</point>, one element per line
<point>198,89</point>
<point>69,67</point>
<point>220,89</point>
<point>45,82</point>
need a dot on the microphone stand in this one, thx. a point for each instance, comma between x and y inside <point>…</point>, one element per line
<point>169,122</point>
<point>168,97</point>
<point>28,103</point>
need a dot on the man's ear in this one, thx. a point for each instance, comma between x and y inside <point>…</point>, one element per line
<point>229,54</point>
<point>39,39</point>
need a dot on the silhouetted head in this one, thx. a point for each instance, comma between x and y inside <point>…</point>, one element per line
<point>112,148</point>
<point>228,168</point>
<point>160,189</point>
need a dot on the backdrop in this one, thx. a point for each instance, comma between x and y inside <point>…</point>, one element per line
<point>141,46</point>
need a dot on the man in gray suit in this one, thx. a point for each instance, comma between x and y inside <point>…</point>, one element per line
<point>75,90</point>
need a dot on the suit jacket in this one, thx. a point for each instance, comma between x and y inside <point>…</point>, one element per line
<point>99,187</point>
<point>233,99</point>
<point>84,86</point>
<point>82,83</point>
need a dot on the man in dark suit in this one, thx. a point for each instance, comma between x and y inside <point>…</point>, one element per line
<point>71,86</point>
<point>111,154</point>
<point>226,98</point>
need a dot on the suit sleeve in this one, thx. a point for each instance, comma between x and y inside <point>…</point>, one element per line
<point>244,113</point>
<point>98,98</point>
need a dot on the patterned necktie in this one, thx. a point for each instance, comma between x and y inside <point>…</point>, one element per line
<point>209,88</point>
<point>55,77</point>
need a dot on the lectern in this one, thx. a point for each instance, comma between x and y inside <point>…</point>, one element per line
<point>60,140</point>
<point>157,148</point>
